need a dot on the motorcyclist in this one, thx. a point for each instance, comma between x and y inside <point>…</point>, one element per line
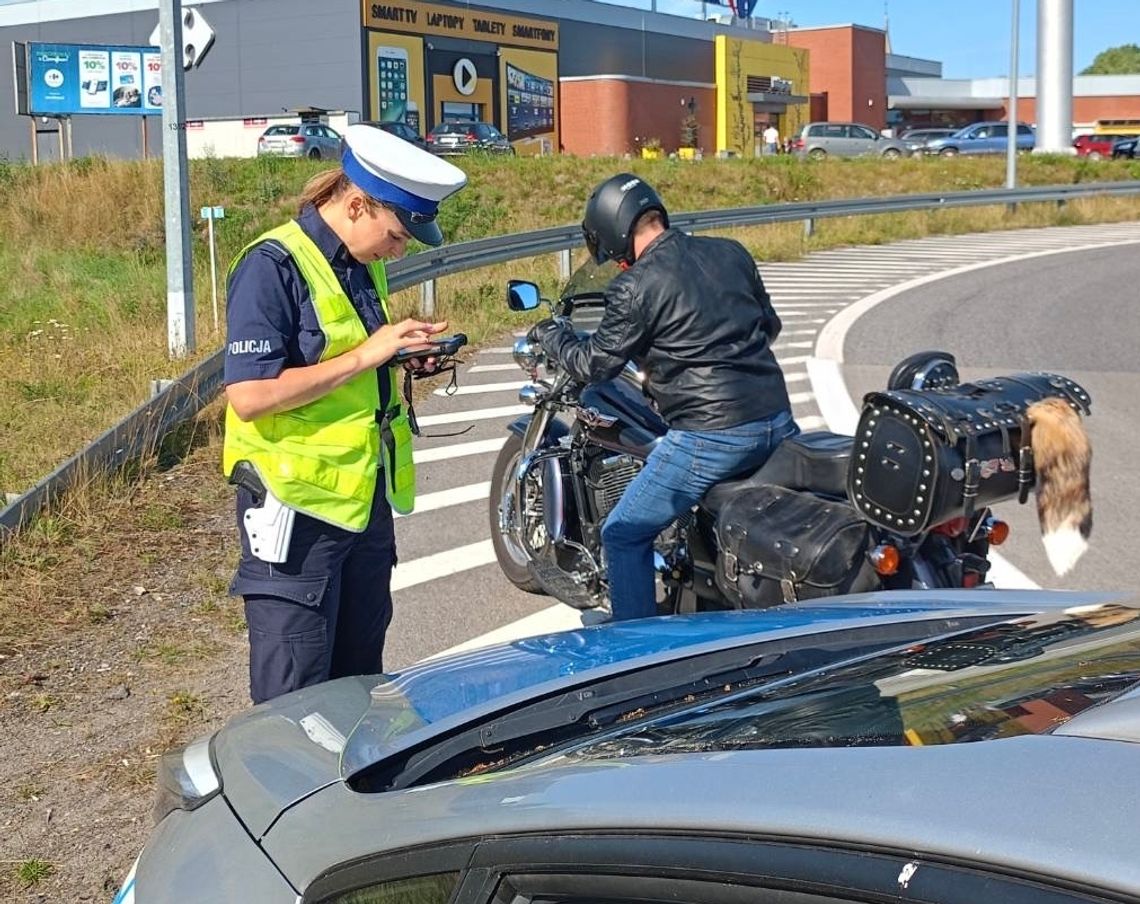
<point>693,314</point>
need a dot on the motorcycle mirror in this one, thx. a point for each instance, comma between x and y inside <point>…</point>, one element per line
<point>522,295</point>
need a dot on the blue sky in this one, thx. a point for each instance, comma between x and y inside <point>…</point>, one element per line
<point>970,37</point>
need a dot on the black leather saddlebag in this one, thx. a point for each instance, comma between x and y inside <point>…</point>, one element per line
<point>923,457</point>
<point>776,545</point>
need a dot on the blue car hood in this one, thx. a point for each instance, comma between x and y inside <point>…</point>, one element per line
<point>280,752</point>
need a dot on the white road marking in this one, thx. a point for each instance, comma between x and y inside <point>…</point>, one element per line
<point>458,450</point>
<point>487,368</point>
<point>476,414</point>
<point>832,301</point>
<point>429,502</point>
<point>827,270</point>
<point>780,346</point>
<point>480,388</point>
<point>797,359</point>
<point>817,286</point>
<point>497,350</point>
<point>442,564</point>
<point>559,617</point>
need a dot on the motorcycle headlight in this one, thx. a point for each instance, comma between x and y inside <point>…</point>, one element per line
<point>187,778</point>
<point>527,354</point>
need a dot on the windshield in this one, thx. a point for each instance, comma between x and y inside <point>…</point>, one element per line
<point>590,279</point>
<point>1026,676</point>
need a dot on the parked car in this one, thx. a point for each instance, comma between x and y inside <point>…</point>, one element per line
<point>1126,147</point>
<point>464,136</point>
<point>916,139</point>
<point>844,139</point>
<point>303,140</point>
<point>402,130</point>
<point>941,746</point>
<point>1097,146</point>
<point>981,138</point>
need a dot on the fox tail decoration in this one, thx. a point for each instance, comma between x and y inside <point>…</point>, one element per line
<point>1062,455</point>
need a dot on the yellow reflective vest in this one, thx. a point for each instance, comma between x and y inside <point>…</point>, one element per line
<point>323,458</point>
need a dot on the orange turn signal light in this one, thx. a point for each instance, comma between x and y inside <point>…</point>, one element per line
<point>885,559</point>
<point>998,533</point>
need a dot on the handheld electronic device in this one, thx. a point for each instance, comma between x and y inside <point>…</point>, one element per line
<point>444,347</point>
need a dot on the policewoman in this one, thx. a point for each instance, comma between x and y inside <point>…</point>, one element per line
<point>317,437</point>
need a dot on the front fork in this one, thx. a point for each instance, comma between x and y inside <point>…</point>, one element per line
<point>512,514</point>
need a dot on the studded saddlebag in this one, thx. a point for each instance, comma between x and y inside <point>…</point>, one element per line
<point>776,545</point>
<point>923,457</point>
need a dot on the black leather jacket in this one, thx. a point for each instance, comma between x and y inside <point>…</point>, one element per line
<point>694,315</point>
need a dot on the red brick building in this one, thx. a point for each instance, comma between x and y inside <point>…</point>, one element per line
<point>848,72</point>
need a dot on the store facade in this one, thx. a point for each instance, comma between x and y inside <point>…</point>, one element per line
<point>426,63</point>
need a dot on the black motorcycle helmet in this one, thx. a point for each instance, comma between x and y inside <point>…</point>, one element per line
<point>611,212</point>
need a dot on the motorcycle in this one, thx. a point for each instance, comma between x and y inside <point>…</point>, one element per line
<point>907,505</point>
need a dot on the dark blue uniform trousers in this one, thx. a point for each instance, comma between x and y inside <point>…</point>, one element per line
<point>324,612</point>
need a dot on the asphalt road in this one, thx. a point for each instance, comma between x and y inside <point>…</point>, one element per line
<point>1073,314</point>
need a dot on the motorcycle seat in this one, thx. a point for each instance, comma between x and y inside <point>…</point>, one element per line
<point>813,462</point>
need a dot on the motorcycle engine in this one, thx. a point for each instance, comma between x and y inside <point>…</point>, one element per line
<point>607,477</point>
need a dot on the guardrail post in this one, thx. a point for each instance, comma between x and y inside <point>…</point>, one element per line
<point>809,228</point>
<point>564,263</point>
<point>157,387</point>
<point>427,299</point>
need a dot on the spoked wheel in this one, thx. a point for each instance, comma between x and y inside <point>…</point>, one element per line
<point>512,557</point>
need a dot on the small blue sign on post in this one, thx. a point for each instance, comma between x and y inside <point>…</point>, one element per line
<point>215,213</point>
<point>80,79</point>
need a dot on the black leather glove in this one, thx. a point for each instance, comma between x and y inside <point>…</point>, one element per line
<point>542,329</point>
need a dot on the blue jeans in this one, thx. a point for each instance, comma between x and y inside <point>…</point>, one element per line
<point>677,474</point>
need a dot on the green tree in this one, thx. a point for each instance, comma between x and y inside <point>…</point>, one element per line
<point>1122,60</point>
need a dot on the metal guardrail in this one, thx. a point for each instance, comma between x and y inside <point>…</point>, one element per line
<point>141,431</point>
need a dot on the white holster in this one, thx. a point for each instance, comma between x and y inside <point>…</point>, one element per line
<point>269,528</point>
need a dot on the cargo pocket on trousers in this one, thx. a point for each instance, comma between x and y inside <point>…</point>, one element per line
<point>289,646</point>
<point>307,590</point>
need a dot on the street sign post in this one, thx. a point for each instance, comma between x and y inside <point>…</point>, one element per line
<point>209,214</point>
<point>179,269</point>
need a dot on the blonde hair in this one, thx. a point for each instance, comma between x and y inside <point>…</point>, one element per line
<point>330,186</point>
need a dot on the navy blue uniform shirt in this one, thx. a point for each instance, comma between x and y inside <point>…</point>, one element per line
<point>270,320</point>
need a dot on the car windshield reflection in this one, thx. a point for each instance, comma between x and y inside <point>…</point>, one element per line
<point>1027,676</point>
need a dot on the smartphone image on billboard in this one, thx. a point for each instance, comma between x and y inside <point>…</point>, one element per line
<point>392,83</point>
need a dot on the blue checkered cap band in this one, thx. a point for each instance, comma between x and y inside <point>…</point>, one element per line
<point>397,172</point>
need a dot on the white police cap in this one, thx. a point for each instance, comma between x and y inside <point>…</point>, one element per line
<point>409,179</point>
